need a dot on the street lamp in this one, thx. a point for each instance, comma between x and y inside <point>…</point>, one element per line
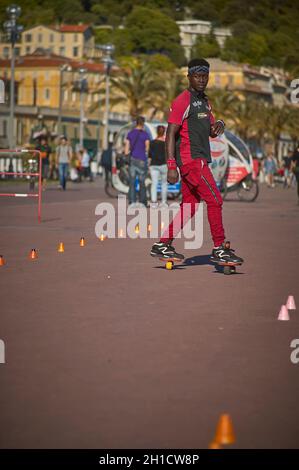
<point>63,68</point>
<point>108,50</point>
<point>83,88</point>
<point>13,31</point>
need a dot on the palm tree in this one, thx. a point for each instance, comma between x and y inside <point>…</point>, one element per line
<point>277,120</point>
<point>223,103</point>
<point>135,84</point>
<point>171,85</point>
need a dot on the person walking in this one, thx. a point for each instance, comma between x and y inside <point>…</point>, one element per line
<point>270,168</point>
<point>63,158</point>
<point>158,167</point>
<point>136,147</point>
<point>45,151</point>
<point>190,124</point>
<point>287,163</point>
<point>295,168</point>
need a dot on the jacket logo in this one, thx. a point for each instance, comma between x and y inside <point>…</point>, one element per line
<point>202,115</point>
<point>197,103</point>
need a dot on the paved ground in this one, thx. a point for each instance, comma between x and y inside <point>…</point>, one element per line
<point>106,349</point>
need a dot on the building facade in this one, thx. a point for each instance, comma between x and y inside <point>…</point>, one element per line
<point>191,29</point>
<point>72,41</point>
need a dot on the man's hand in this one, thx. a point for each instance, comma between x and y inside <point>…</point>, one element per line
<point>172,176</point>
<point>217,129</point>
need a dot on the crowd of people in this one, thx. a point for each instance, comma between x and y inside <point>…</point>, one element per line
<point>271,171</point>
<point>56,163</point>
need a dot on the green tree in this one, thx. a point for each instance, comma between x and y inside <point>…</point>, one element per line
<point>136,84</point>
<point>154,32</point>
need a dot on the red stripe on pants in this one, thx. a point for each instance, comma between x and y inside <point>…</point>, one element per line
<point>198,184</point>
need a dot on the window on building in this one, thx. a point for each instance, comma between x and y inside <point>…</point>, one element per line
<point>62,37</point>
<point>75,37</point>
<point>231,80</point>
<point>74,96</point>
<point>6,52</point>
<point>64,132</point>
<point>62,50</point>
<point>75,133</point>
<point>40,37</point>
<point>4,128</point>
<point>47,75</point>
<point>17,51</point>
<point>47,94</point>
<point>65,95</point>
<point>28,49</point>
<point>75,51</point>
<point>51,37</point>
<point>28,37</point>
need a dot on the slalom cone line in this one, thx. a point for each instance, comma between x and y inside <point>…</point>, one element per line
<point>2,261</point>
<point>283,313</point>
<point>102,237</point>
<point>60,248</point>
<point>291,303</point>
<point>224,431</point>
<point>82,242</point>
<point>33,254</point>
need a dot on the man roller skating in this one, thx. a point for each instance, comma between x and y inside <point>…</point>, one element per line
<point>190,124</point>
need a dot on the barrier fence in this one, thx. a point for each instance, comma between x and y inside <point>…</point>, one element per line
<point>38,195</point>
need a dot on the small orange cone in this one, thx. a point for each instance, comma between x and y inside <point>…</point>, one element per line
<point>121,233</point>
<point>82,242</point>
<point>291,303</point>
<point>33,254</point>
<point>102,237</point>
<point>214,445</point>
<point>283,313</point>
<point>2,261</point>
<point>137,229</point>
<point>225,432</point>
<point>149,227</point>
<point>60,248</point>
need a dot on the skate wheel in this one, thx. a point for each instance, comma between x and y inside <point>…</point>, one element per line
<point>169,265</point>
<point>227,270</point>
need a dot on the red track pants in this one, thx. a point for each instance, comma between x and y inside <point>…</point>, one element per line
<point>198,184</point>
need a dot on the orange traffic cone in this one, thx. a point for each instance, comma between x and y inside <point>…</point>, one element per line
<point>291,303</point>
<point>60,248</point>
<point>121,233</point>
<point>214,445</point>
<point>2,261</point>
<point>33,254</point>
<point>82,242</point>
<point>102,237</point>
<point>137,229</point>
<point>149,227</point>
<point>283,313</point>
<point>225,432</point>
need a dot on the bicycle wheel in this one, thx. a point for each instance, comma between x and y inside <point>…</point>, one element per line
<point>248,190</point>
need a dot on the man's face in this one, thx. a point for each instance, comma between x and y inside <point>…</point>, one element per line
<point>63,141</point>
<point>199,80</point>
